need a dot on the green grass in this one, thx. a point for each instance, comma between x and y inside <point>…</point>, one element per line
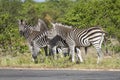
<point>24,60</point>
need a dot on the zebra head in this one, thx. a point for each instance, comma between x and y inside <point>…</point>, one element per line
<point>52,32</point>
<point>22,27</point>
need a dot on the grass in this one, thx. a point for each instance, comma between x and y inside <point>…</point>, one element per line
<point>24,60</point>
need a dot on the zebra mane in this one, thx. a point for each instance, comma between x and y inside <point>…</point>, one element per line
<point>61,30</point>
<point>60,24</point>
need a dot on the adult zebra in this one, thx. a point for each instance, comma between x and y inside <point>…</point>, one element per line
<point>31,33</point>
<point>79,37</point>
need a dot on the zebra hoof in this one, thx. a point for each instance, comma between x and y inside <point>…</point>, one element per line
<point>77,62</point>
<point>36,61</point>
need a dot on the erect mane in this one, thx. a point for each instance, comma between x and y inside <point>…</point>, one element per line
<point>60,24</point>
<point>62,30</point>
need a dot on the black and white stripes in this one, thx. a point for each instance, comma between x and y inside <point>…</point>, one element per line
<point>35,36</point>
<point>79,37</point>
<point>61,35</point>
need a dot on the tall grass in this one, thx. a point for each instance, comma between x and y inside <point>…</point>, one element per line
<point>24,60</point>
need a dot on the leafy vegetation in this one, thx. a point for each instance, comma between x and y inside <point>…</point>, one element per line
<point>78,13</point>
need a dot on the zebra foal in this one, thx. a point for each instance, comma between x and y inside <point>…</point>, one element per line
<point>79,37</point>
<point>31,34</point>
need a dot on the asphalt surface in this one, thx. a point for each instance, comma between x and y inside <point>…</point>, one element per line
<point>22,74</point>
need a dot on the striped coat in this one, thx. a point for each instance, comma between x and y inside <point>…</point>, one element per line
<point>79,37</point>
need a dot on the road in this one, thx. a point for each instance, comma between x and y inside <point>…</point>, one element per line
<point>22,74</point>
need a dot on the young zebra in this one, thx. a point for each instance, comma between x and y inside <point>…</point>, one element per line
<point>79,37</point>
<point>31,34</point>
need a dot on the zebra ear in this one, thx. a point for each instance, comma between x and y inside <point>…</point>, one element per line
<point>23,22</point>
<point>39,22</point>
<point>19,21</point>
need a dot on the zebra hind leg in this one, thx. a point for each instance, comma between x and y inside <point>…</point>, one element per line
<point>100,55</point>
<point>54,52</point>
<point>72,53</point>
<point>99,52</point>
<point>46,50</point>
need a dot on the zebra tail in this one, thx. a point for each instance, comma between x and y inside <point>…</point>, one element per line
<point>105,44</point>
<point>85,50</point>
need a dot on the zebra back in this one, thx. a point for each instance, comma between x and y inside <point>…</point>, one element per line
<point>86,36</point>
<point>59,29</point>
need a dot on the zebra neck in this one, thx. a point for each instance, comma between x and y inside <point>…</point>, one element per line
<point>63,32</point>
<point>27,34</point>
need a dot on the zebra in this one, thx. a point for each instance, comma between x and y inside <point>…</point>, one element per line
<point>30,33</point>
<point>61,51</point>
<point>79,37</point>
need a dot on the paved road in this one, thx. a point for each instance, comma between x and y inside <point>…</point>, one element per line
<point>21,74</point>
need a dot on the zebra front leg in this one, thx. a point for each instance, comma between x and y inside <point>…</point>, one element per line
<point>35,51</point>
<point>72,53</point>
<point>78,52</point>
<point>46,50</point>
<point>34,55</point>
<point>31,48</point>
<point>54,52</point>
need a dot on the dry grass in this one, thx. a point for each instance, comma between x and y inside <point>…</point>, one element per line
<point>24,60</point>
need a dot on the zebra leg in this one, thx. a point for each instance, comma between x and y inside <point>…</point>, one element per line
<point>60,52</point>
<point>85,50</point>
<point>46,50</point>
<point>31,48</point>
<point>99,52</point>
<point>72,53</point>
<point>54,52</point>
<point>100,56</point>
<point>35,51</point>
<point>34,54</point>
<point>98,45</point>
<point>79,54</point>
